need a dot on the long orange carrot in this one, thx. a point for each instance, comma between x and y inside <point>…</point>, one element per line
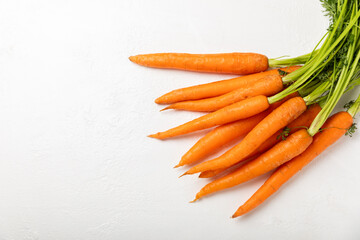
<point>218,88</point>
<point>303,121</point>
<point>224,134</point>
<point>233,63</point>
<point>282,152</point>
<point>240,110</point>
<point>266,86</point>
<point>335,127</point>
<point>276,120</point>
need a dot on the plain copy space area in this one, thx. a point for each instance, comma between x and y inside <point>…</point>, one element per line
<point>75,162</point>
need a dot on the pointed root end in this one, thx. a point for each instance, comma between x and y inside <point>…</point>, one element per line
<point>186,173</point>
<point>201,175</point>
<point>156,135</point>
<point>161,100</point>
<point>178,165</point>
<point>169,107</point>
<point>238,213</point>
<point>132,58</point>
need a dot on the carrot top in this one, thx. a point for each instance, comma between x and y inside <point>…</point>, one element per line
<point>336,52</point>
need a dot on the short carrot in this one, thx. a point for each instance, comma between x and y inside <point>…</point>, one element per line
<point>266,86</point>
<point>220,87</point>
<point>240,110</point>
<point>303,121</point>
<point>282,152</point>
<point>232,63</point>
<point>335,127</point>
<point>276,120</point>
<point>224,134</point>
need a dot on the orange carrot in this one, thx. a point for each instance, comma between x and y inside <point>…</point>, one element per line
<point>212,173</point>
<point>303,121</point>
<point>240,110</point>
<point>275,105</point>
<point>266,86</point>
<point>334,128</point>
<point>218,88</point>
<point>220,136</point>
<point>233,63</point>
<point>282,152</point>
<point>276,120</point>
<point>225,134</point>
<point>217,172</point>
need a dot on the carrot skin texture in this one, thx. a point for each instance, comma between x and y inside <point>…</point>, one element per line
<point>218,88</point>
<point>266,86</point>
<point>278,104</point>
<point>306,118</point>
<point>303,121</point>
<point>217,172</point>
<point>211,173</point>
<point>334,128</point>
<point>282,152</point>
<point>220,136</point>
<point>232,63</point>
<point>276,120</point>
<point>240,110</point>
<point>224,134</point>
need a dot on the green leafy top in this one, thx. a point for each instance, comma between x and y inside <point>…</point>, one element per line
<point>348,105</point>
<point>351,130</point>
<point>330,8</point>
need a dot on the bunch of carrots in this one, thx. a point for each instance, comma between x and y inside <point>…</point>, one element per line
<point>278,111</point>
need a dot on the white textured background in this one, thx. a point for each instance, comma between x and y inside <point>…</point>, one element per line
<point>74,113</point>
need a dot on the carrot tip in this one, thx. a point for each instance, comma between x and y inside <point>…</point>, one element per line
<point>132,58</point>
<point>153,136</point>
<point>185,173</point>
<point>178,165</point>
<point>193,200</point>
<point>169,107</point>
<point>239,213</point>
<point>161,100</point>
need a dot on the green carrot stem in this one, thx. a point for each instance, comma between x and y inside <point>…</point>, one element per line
<point>313,65</point>
<point>317,93</point>
<point>345,77</point>
<point>274,62</point>
<point>355,108</point>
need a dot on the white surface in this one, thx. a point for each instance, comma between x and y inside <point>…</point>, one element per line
<point>75,162</point>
